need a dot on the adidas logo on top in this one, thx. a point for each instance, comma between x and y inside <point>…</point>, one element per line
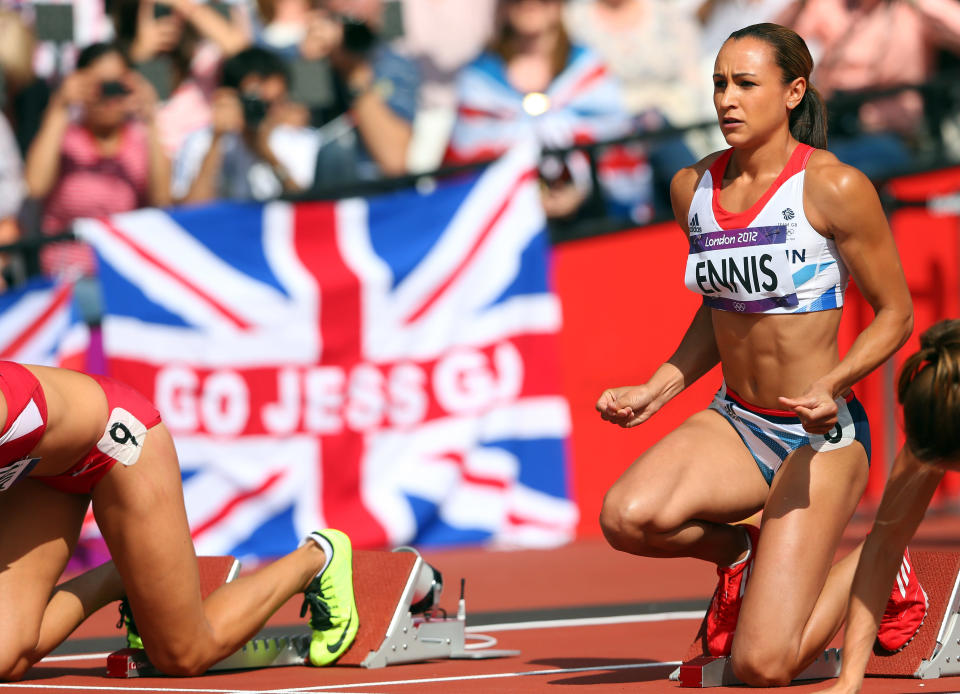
<point>695,225</point>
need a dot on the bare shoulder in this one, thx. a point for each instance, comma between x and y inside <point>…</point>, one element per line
<point>688,177</point>
<point>830,180</point>
<point>684,185</point>
<point>835,192</point>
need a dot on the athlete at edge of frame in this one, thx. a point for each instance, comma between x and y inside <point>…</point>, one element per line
<point>928,390</point>
<point>64,434</point>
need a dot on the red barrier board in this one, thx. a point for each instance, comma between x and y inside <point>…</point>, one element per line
<point>625,309</point>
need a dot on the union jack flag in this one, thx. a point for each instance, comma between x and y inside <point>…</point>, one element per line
<point>582,104</point>
<point>388,365</point>
<point>38,321</point>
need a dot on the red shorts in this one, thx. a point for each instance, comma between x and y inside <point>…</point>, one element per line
<point>131,415</point>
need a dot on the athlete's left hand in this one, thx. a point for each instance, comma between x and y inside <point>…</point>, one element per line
<point>815,408</point>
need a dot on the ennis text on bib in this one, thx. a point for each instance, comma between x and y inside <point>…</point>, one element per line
<point>767,259</point>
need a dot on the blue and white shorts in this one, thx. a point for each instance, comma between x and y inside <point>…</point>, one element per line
<point>772,435</point>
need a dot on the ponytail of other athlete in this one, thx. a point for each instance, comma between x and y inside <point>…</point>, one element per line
<point>808,120</point>
<point>929,391</point>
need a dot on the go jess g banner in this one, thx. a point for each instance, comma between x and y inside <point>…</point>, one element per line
<point>388,366</point>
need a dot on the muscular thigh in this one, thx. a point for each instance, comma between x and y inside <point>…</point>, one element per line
<point>39,528</point>
<point>140,511</point>
<point>811,501</point>
<point>700,470</point>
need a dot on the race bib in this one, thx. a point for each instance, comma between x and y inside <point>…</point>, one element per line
<point>123,438</point>
<point>844,432</point>
<point>742,270</point>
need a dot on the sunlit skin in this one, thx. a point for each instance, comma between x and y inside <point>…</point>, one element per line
<point>908,491</point>
<point>680,497</point>
<point>749,94</point>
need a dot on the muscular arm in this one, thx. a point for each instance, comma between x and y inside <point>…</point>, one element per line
<point>695,356</point>
<point>905,499</point>
<point>697,353</point>
<point>844,204</point>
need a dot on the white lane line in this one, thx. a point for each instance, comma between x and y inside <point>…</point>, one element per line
<point>496,675</point>
<point>509,626</point>
<point>101,688</point>
<point>589,621</point>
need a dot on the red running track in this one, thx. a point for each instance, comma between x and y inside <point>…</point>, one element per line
<point>606,653</point>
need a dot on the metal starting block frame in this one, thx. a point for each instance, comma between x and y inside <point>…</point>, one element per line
<point>928,656</point>
<point>387,586</point>
<point>412,638</point>
<point>717,671</point>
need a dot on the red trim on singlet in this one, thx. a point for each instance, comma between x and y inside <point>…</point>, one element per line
<point>769,410</point>
<point>19,386</point>
<point>739,220</point>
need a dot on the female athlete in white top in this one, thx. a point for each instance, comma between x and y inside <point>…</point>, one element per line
<point>775,226</point>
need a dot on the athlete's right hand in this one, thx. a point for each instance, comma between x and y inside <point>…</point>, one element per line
<point>627,406</point>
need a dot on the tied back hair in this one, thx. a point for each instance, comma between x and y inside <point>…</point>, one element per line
<point>808,120</point>
<point>929,391</point>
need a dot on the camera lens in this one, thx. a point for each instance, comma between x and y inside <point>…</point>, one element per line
<point>254,109</point>
<point>358,37</point>
<point>110,88</point>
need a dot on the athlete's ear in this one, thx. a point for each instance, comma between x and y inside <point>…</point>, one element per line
<point>795,92</point>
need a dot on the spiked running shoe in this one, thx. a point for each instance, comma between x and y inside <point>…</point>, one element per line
<point>906,609</point>
<point>724,610</point>
<point>126,620</point>
<point>329,597</point>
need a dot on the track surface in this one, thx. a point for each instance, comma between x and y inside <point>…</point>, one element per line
<point>580,615</point>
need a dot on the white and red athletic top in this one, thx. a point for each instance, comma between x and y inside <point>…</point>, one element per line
<point>767,259</point>
<point>26,421</point>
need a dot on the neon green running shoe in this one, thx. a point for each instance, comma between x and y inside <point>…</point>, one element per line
<point>126,620</point>
<point>329,597</point>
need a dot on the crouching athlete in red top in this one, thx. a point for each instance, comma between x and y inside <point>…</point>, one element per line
<point>69,440</point>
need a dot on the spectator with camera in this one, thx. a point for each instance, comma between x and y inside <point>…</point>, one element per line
<point>97,153</point>
<point>532,83</point>
<point>250,151</point>
<point>179,46</point>
<point>362,93</point>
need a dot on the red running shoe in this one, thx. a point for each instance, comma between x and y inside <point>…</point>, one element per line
<point>906,609</point>
<point>724,609</point>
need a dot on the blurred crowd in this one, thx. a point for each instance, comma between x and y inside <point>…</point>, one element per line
<point>112,105</point>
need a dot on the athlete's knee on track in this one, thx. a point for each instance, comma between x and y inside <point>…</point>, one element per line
<point>17,655</point>
<point>628,521</point>
<point>175,657</point>
<point>761,666</point>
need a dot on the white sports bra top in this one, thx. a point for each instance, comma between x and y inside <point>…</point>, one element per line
<point>767,259</point>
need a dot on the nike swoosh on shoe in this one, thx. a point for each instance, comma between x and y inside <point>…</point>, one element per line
<point>333,648</point>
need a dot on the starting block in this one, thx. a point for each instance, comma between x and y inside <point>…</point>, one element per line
<point>395,594</point>
<point>933,652</point>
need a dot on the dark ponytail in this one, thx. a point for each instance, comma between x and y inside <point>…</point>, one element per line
<point>929,391</point>
<point>808,121</point>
